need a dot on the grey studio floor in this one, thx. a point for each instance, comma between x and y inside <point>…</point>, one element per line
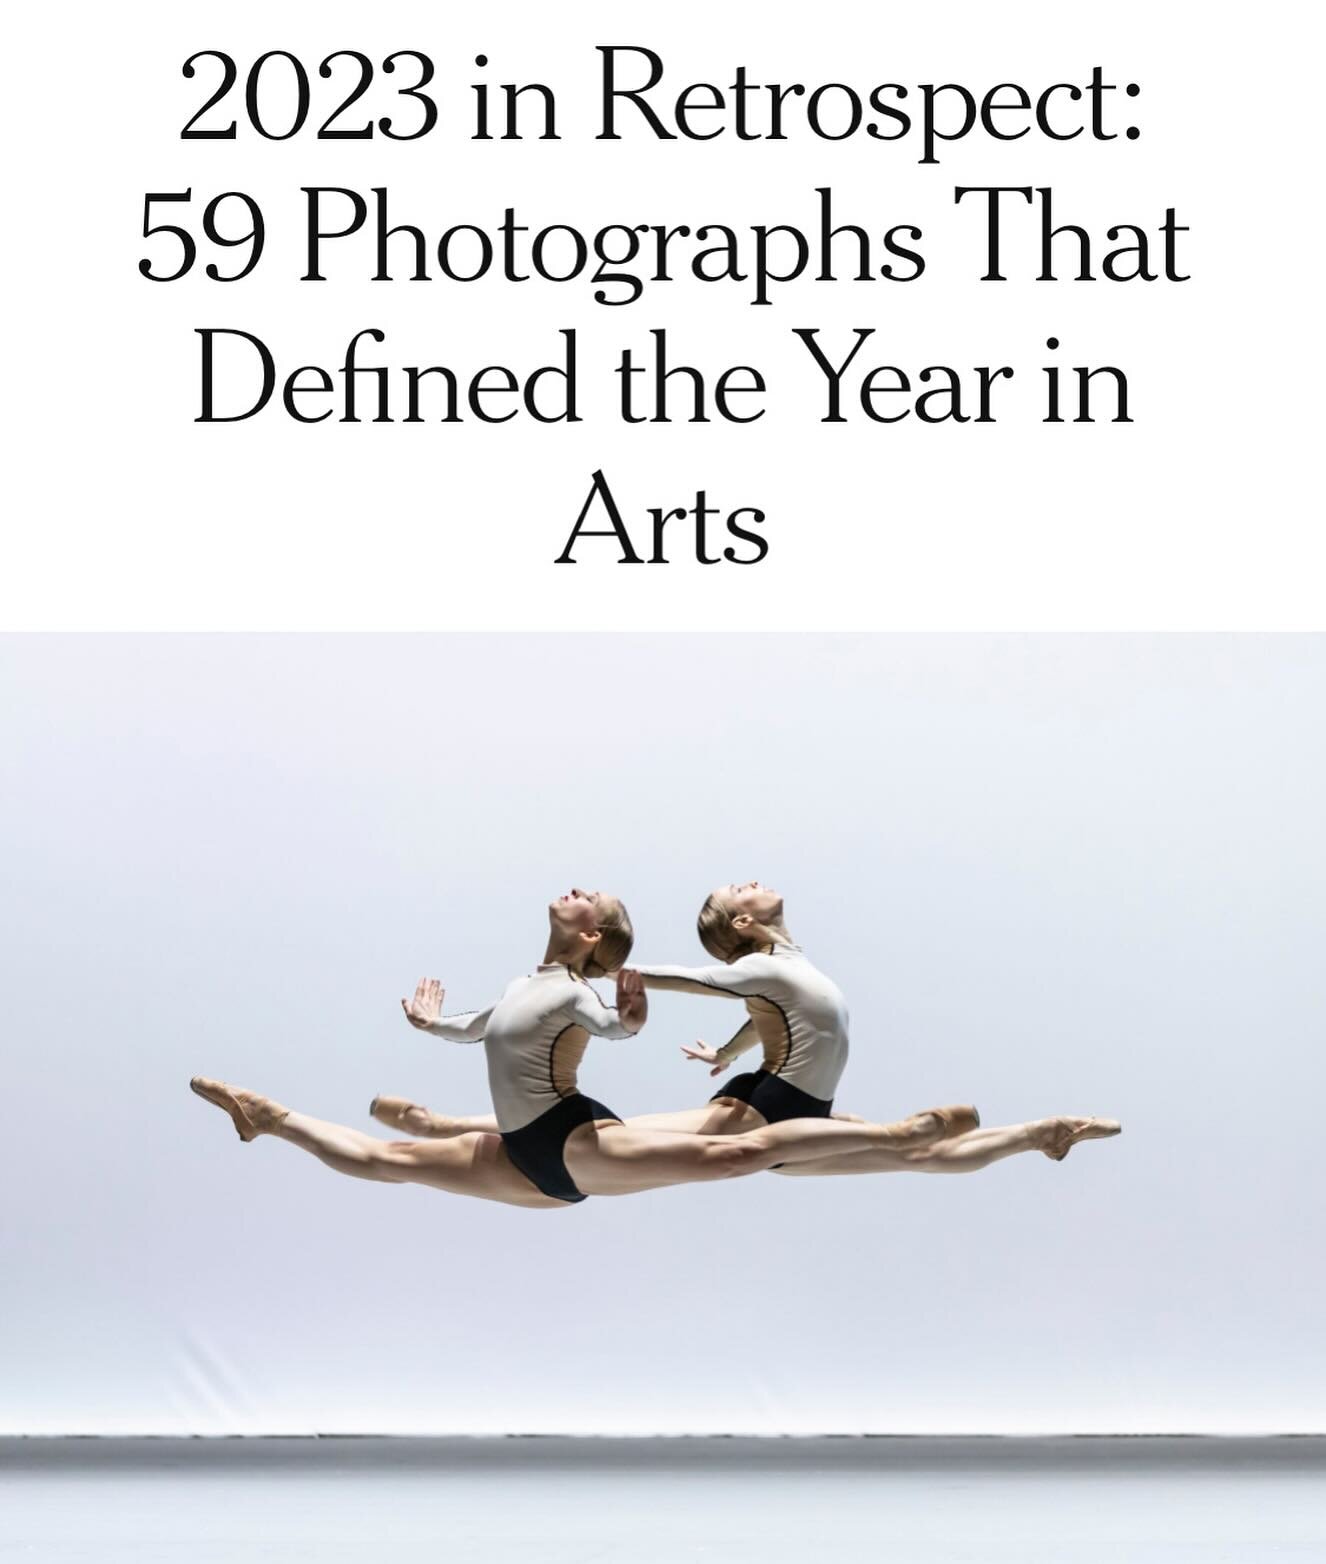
<point>1074,1501</point>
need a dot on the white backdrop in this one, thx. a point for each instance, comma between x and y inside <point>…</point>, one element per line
<point>1077,874</point>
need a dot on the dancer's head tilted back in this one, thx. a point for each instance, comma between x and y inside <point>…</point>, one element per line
<point>589,931</point>
<point>738,919</point>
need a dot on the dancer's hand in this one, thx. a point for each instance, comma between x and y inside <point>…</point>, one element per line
<point>706,1055</point>
<point>632,1006</point>
<point>426,1006</point>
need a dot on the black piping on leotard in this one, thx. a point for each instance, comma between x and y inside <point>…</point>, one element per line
<point>552,1052</point>
<point>552,1060</point>
<point>787,1026</point>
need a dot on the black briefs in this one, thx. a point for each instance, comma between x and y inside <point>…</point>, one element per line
<point>536,1148</point>
<point>774,1097</point>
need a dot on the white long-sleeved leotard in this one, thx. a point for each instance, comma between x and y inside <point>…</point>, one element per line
<point>535,1037</point>
<point>797,1013</point>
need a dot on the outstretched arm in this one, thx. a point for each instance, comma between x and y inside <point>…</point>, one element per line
<point>746,1039</point>
<point>726,981</point>
<point>424,1012</point>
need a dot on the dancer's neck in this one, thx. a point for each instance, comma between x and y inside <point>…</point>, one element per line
<point>563,953</point>
<point>773,935</point>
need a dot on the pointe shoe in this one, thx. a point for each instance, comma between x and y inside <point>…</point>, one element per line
<point>250,1113</point>
<point>936,1124</point>
<point>399,1113</point>
<point>957,1119</point>
<point>1062,1134</point>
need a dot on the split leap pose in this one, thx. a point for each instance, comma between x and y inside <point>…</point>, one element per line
<point>799,1017</point>
<point>552,1145</point>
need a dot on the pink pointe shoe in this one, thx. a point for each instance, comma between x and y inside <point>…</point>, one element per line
<point>956,1119</point>
<point>399,1113</point>
<point>250,1113</point>
<point>1062,1134</point>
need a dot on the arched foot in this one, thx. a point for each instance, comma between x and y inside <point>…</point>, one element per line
<point>250,1113</point>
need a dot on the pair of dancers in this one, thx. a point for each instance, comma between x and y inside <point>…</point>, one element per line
<point>548,1145</point>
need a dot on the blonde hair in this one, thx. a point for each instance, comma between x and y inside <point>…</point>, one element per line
<point>616,938</point>
<point>719,938</point>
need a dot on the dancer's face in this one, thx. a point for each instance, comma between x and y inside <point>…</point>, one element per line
<point>750,902</point>
<point>575,913</point>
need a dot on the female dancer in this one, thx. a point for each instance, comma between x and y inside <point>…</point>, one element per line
<point>552,1145</point>
<point>799,1016</point>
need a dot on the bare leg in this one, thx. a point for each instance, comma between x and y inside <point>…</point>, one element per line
<point>345,1150</point>
<point>731,1116</point>
<point>720,1116</point>
<point>618,1159</point>
<point>475,1165</point>
<point>727,1116</point>
<point>966,1153</point>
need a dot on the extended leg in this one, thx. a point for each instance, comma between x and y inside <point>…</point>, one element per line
<point>966,1153</point>
<point>732,1116</point>
<point>726,1116</point>
<point>619,1159</point>
<point>475,1165</point>
<point>723,1116</point>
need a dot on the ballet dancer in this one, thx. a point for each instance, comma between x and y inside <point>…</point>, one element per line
<point>799,1018</point>
<point>552,1145</point>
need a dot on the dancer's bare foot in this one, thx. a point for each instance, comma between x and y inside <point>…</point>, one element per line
<point>250,1113</point>
<point>402,1114</point>
<point>1057,1137</point>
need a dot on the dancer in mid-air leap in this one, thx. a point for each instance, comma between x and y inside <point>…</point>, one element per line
<point>550,1145</point>
<point>799,1018</point>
